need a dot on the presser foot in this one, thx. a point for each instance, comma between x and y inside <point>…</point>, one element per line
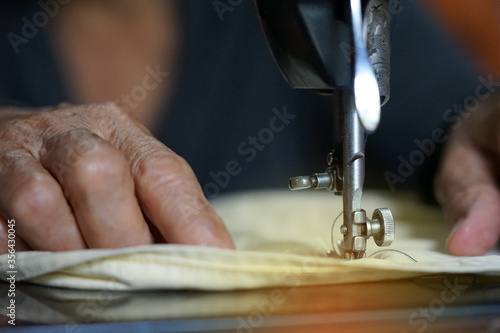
<point>359,229</point>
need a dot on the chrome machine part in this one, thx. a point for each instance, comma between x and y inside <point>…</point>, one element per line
<point>377,34</point>
<point>340,47</point>
<point>361,114</point>
<point>353,167</point>
<point>329,180</point>
<point>381,227</point>
<point>357,112</point>
<point>366,92</point>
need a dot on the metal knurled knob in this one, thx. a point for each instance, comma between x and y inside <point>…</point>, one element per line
<point>385,235</point>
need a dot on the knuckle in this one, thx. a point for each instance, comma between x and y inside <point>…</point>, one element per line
<point>101,166</point>
<point>107,117</point>
<point>164,166</point>
<point>63,152</point>
<point>34,195</point>
<point>462,197</point>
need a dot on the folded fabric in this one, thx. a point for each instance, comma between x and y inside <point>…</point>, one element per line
<point>282,240</point>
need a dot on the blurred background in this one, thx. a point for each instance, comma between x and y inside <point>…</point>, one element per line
<point>475,26</point>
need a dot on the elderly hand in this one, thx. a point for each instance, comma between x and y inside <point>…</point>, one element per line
<point>91,176</point>
<point>467,185</point>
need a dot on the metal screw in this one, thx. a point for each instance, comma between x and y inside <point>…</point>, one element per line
<point>330,158</point>
<point>343,229</point>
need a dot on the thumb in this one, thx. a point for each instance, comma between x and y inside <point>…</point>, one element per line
<point>467,190</point>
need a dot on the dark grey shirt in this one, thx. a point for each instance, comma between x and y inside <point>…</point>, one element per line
<point>236,121</point>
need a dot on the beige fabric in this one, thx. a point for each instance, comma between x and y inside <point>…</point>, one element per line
<point>282,239</point>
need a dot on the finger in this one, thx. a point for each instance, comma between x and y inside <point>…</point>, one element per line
<point>170,194</point>
<point>97,182</point>
<point>32,197</point>
<point>467,190</point>
<point>482,127</point>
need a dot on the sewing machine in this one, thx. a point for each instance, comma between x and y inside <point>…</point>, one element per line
<point>338,47</point>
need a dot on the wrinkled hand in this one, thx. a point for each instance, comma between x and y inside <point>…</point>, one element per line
<point>91,176</point>
<point>467,185</point>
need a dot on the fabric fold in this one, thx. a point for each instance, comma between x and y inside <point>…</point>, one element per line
<point>282,240</point>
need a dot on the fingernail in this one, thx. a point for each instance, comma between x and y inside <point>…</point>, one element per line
<point>455,226</point>
<point>454,246</point>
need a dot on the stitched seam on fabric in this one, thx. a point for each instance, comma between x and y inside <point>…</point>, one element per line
<point>226,270</point>
<point>77,275</point>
